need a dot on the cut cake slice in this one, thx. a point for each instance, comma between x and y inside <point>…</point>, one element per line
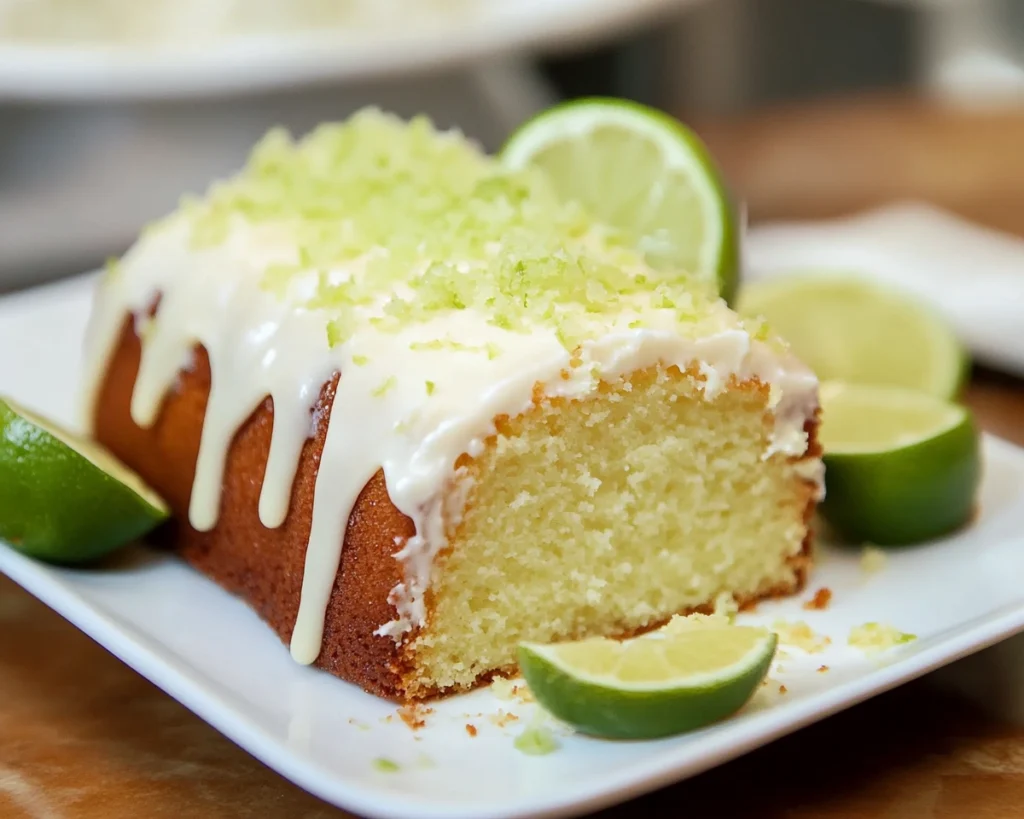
<point>414,410</point>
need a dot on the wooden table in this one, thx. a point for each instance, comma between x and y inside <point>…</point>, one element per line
<point>84,737</point>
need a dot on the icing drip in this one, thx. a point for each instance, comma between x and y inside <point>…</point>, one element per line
<point>289,435</point>
<point>346,465</point>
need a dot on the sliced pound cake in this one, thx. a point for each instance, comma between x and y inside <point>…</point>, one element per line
<point>414,410</point>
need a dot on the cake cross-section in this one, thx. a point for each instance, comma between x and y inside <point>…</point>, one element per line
<point>415,410</point>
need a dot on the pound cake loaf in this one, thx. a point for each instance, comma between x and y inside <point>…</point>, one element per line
<point>414,410</point>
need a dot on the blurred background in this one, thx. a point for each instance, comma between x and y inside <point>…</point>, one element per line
<point>110,109</point>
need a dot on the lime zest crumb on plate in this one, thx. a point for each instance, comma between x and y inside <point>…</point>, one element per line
<point>874,637</point>
<point>536,739</point>
<point>385,765</point>
<point>799,634</point>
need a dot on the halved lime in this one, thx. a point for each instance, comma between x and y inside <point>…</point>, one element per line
<point>848,329</point>
<point>63,498</point>
<point>643,172</point>
<point>678,678</point>
<point>901,466</point>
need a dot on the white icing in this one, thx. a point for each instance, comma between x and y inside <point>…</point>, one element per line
<point>384,416</point>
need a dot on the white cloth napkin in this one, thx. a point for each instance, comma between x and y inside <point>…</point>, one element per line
<point>972,275</point>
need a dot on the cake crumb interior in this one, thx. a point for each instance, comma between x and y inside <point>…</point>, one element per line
<point>606,516</point>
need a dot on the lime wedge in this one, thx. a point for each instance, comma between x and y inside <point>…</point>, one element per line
<point>847,329</point>
<point>640,171</point>
<point>65,499</point>
<point>678,678</point>
<point>901,466</point>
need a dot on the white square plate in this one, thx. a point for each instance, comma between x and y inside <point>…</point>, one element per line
<point>209,651</point>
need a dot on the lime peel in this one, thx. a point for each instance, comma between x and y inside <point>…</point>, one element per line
<point>66,499</point>
<point>536,739</point>
<point>874,637</point>
<point>901,466</point>
<point>693,671</point>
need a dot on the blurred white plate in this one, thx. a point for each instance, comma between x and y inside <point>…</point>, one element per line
<point>211,652</point>
<point>405,42</point>
<point>78,182</point>
<point>972,275</point>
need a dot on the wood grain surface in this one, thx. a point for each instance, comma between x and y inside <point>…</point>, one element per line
<point>84,737</point>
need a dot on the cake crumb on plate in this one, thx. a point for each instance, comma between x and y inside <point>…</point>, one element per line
<point>873,559</point>
<point>415,716</point>
<point>502,688</point>
<point>800,635</point>
<point>503,718</point>
<point>820,601</point>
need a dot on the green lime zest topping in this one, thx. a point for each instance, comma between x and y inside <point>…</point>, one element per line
<point>336,333</point>
<point>385,765</point>
<point>387,384</point>
<point>430,387</point>
<point>360,360</point>
<point>492,349</point>
<point>401,223</point>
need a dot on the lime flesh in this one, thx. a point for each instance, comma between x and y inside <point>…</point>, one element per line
<point>667,682</point>
<point>65,499</point>
<point>847,329</point>
<point>901,466</point>
<point>643,172</point>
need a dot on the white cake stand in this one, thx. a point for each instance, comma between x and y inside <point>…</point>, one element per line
<point>96,140</point>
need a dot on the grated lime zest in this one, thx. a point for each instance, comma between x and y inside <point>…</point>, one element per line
<point>419,222</point>
<point>384,387</point>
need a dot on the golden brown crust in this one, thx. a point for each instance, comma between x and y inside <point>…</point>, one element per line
<point>265,566</point>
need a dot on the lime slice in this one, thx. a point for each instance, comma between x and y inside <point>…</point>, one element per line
<point>675,679</point>
<point>65,499</point>
<point>640,171</point>
<point>901,466</point>
<point>847,329</point>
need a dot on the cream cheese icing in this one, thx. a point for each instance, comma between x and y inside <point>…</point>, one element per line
<point>428,359</point>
